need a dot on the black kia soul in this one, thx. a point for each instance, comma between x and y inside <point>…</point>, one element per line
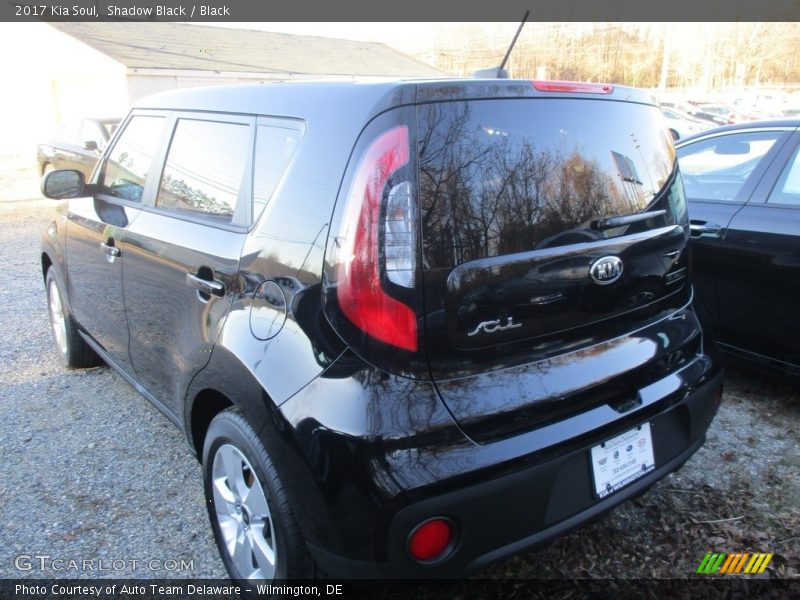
<point>410,327</point>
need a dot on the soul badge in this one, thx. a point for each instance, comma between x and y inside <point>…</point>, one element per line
<point>494,326</point>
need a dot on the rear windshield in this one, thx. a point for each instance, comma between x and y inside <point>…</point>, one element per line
<point>506,176</point>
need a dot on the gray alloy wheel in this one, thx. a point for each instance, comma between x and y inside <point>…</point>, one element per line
<point>252,517</point>
<point>58,320</point>
<point>71,347</point>
<point>243,514</point>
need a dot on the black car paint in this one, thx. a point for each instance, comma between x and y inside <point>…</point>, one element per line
<point>173,325</point>
<point>95,276</point>
<point>366,453</point>
<point>747,267</point>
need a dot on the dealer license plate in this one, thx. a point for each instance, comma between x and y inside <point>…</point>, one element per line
<point>622,460</point>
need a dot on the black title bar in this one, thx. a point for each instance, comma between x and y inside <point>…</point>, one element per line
<point>407,10</point>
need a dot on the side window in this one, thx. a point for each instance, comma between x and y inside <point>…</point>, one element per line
<point>275,147</point>
<point>69,132</point>
<point>204,169</point>
<point>717,168</point>
<point>90,132</point>
<point>126,169</point>
<point>787,190</point>
<point>110,127</point>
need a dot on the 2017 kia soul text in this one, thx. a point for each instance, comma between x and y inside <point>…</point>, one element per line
<point>409,327</point>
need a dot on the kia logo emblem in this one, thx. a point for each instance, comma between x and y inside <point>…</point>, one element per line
<point>606,270</point>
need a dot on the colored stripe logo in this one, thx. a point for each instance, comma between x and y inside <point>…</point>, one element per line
<point>738,562</point>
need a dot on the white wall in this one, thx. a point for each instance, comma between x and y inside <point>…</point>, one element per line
<point>49,77</point>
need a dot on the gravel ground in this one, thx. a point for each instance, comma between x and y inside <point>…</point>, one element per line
<point>94,471</point>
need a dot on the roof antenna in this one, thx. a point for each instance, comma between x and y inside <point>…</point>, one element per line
<point>500,72</point>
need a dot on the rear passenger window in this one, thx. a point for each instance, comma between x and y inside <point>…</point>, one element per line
<point>126,170</point>
<point>717,168</point>
<point>275,147</point>
<point>204,169</point>
<point>787,190</point>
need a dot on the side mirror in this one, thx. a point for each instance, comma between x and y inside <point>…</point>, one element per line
<point>60,185</point>
<point>90,145</point>
<point>675,135</point>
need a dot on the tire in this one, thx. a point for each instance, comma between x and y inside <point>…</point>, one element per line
<point>250,512</point>
<point>75,353</point>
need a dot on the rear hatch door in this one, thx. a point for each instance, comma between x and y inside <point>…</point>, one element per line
<point>548,224</point>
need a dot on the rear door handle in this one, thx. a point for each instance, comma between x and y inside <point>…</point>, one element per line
<point>699,228</point>
<point>212,287</point>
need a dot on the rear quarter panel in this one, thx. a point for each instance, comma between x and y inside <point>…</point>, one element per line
<point>286,245</point>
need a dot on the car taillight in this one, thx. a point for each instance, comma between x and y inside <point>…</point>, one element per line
<point>572,86</point>
<point>378,243</point>
<point>400,235</point>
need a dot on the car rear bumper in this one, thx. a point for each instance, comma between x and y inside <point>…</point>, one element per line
<point>529,501</point>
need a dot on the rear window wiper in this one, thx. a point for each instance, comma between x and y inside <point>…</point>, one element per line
<point>620,220</point>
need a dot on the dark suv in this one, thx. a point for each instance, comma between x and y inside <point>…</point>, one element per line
<point>409,327</point>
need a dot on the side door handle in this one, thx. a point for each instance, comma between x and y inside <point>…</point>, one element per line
<point>211,287</point>
<point>110,250</point>
<point>698,228</point>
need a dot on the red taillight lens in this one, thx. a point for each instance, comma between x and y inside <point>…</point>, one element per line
<point>360,294</point>
<point>572,86</point>
<point>430,540</point>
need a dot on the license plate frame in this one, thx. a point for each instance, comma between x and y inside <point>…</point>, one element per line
<point>622,459</point>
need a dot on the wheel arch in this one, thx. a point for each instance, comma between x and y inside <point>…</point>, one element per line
<point>51,248</point>
<point>47,262</point>
<point>50,261</point>
<point>206,405</point>
<point>225,382</point>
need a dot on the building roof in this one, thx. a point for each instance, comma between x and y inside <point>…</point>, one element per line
<point>195,47</point>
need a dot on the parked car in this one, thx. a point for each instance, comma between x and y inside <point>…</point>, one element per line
<point>712,118</point>
<point>681,126</point>
<point>728,114</point>
<point>409,327</point>
<point>743,187</point>
<point>76,144</point>
<point>681,107</point>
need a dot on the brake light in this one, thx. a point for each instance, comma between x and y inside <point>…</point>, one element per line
<point>572,86</point>
<point>360,293</point>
